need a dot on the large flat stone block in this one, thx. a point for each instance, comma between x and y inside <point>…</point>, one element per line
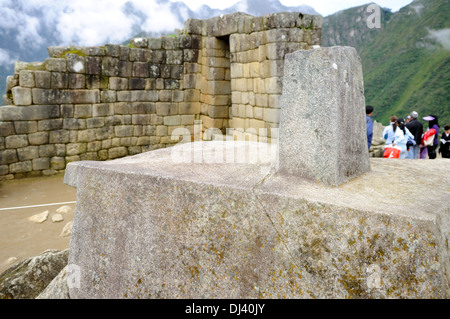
<point>208,225</point>
<point>322,120</point>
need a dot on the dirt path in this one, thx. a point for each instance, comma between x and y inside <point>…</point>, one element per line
<point>21,238</point>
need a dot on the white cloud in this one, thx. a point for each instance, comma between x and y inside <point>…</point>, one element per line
<point>441,36</point>
<point>5,59</point>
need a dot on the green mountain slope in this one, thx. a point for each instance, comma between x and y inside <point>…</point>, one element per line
<point>407,62</point>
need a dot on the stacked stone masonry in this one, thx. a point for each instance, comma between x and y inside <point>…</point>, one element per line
<point>217,76</point>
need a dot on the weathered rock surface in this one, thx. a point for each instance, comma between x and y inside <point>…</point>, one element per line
<point>147,227</point>
<point>323,116</point>
<point>27,279</point>
<point>57,289</point>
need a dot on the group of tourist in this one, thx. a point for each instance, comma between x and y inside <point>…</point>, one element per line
<point>410,138</point>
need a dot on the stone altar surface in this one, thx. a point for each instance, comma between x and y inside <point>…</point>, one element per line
<point>146,226</point>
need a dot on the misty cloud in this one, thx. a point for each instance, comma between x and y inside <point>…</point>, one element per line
<point>5,59</point>
<point>84,22</point>
<point>441,36</point>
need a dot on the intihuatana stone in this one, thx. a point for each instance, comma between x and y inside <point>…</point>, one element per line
<point>322,121</point>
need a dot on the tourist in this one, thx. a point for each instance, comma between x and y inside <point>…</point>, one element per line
<point>433,124</point>
<point>416,129</point>
<point>401,137</point>
<point>389,131</point>
<point>369,124</point>
<point>444,149</point>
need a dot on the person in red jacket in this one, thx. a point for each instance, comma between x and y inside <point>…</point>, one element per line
<point>433,124</point>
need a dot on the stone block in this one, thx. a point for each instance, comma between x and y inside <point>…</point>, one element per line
<point>77,81</point>
<point>57,163</point>
<point>38,138</point>
<point>40,164</point>
<point>102,110</point>
<point>4,170</point>
<point>174,57</point>
<point>29,113</point>
<point>49,125</point>
<point>47,150</point>
<point>144,96</point>
<point>140,55</point>
<point>22,96</point>
<point>123,130</point>
<point>108,96</point>
<point>290,237</point>
<point>25,127</point>
<point>193,26</point>
<point>217,111</point>
<point>124,53</point>
<point>93,51</point>
<point>85,136</point>
<point>56,65</point>
<point>73,158</point>
<point>75,148</point>
<point>104,133</point>
<point>59,80</point>
<point>8,156</point>
<point>137,84</point>
<point>159,56</point>
<point>43,96</point>
<point>164,109</point>
<point>218,87</point>
<point>20,167</point>
<point>125,69</point>
<point>141,119</point>
<point>94,146</point>
<point>7,128</point>
<point>74,124</point>
<point>95,122</point>
<point>172,120</point>
<point>118,84</point>
<point>59,137</point>
<point>89,156</point>
<point>155,43</point>
<point>190,55</point>
<point>117,152</point>
<point>112,50</point>
<point>140,70</point>
<point>110,66</point>
<point>83,111</point>
<point>75,63</point>
<point>93,81</point>
<point>189,108</point>
<point>26,78</point>
<point>154,70</point>
<point>165,71</point>
<point>334,95</point>
<point>16,141</point>
<point>93,65</point>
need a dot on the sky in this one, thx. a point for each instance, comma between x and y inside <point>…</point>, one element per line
<point>89,23</point>
<point>324,7</point>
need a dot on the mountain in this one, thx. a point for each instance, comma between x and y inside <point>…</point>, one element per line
<point>406,62</point>
<point>28,28</point>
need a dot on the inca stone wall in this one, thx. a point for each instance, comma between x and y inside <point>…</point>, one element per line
<point>100,103</point>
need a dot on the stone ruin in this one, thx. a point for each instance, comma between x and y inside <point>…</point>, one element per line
<point>308,217</point>
<point>101,103</point>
